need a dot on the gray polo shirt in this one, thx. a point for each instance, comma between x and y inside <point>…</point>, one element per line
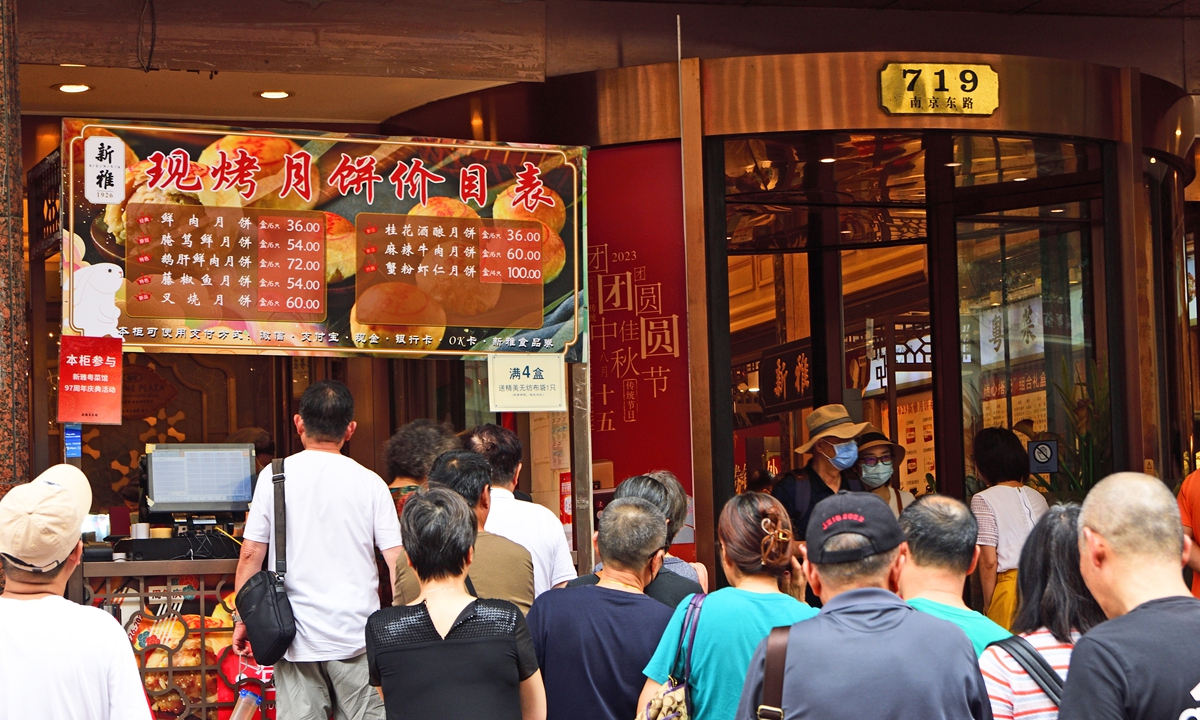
<point>869,655</point>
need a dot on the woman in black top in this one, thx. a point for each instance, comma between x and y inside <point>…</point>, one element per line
<point>447,654</point>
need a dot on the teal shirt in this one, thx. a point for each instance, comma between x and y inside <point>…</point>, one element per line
<point>979,629</point>
<point>732,624</point>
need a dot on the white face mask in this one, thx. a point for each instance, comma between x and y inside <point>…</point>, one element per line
<point>876,476</point>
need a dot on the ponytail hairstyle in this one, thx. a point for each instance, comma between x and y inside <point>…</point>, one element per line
<point>756,534</point>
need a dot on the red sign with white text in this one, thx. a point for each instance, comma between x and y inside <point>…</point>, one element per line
<point>89,380</point>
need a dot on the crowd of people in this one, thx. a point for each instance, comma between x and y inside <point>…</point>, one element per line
<point>488,618</point>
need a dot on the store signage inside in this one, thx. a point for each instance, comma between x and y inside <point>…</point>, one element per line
<point>939,89</point>
<point>224,240</point>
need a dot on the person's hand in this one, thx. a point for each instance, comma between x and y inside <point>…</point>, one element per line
<point>793,582</point>
<point>241,644</point>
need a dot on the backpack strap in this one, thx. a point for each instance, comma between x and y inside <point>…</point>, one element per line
<point>1034,664</point>
<point>277,479</point>
<point>771,707</point>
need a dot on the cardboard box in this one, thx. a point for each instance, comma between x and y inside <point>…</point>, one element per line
<point>602,474</point>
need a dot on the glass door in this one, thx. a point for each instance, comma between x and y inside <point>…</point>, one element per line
<point>1028,350</point>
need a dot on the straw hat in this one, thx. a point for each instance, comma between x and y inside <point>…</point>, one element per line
<point>830,421</point>
<point>873,438</point>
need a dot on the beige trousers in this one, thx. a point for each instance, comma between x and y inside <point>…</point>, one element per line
<point>320,690</point>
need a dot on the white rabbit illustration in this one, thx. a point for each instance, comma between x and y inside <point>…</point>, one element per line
<point>94,308</point>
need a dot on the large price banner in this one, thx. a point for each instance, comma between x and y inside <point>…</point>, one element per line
<point>201,239</point>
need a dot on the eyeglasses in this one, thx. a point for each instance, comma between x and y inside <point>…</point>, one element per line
<point>872,461</point>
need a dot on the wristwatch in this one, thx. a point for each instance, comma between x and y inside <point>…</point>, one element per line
<point>236,617</point>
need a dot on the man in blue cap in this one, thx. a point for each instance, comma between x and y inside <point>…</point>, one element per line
<point>867,654</point>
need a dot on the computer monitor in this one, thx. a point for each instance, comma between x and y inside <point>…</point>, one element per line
<point>200,478</point>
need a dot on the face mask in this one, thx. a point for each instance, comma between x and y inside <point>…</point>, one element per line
<point>873,477</point>
<point>844,455</point>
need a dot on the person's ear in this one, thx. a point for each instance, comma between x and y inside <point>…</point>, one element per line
<point>470,555</point>
<point>974,561</point>
<point>898,564</point>
<point>813,576</point>
<point>1188,542</point>
<point>75,557</point>
<point>485,498</point>
<point>1092,550</point>
<point>596,543</point>
<point>408,561</point>
<point>299,423</point>
<point>517,474</point>
<point>350,430</point>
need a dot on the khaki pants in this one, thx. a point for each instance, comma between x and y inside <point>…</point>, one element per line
<point>321,690</point>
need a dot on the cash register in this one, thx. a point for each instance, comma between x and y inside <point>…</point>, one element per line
<point>199,489</point>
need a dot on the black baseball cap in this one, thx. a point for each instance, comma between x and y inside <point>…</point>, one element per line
<point>852,512</point>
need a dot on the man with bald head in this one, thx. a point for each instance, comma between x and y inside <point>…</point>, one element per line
<point>1144,663</point>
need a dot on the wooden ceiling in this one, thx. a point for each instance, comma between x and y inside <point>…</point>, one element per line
<point>1119,8</point>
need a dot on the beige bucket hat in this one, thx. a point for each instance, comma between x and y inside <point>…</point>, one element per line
<point>830,421</point>
<point>41,521</point>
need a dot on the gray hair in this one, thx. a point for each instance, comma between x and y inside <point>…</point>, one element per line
<point>439,531</point>
<point>868,572</point>
<point>941,532</point>
<point>662,490</point>
<point>631,531</point>
<point>1136,514</point>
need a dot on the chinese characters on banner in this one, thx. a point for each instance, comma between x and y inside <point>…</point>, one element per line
<point>914,415</point>
<point>638,315</point>
<point>785,377</point>
<point>190,239</point>
<point>89,380</point>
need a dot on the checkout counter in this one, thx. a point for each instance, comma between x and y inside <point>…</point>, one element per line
<point>174,594</point>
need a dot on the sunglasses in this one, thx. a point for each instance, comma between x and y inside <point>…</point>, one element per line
<point>872,461</point>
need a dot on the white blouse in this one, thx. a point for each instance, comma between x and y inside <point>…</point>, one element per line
<point>1006,516</point>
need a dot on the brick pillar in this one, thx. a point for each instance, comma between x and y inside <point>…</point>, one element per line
<point>14,331</point>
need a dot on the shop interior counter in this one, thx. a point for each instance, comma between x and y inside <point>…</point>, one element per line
<point>178,616</point>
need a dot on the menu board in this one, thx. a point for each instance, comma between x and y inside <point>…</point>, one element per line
<point>201,239</point>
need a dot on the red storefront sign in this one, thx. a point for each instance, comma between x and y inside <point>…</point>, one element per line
<point>89,380</point>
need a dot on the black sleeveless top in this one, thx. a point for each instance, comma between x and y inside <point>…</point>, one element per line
<point>474,672</point>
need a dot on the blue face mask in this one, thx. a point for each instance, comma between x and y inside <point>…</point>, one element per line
<point>844,455</point>
<point>876,476</point>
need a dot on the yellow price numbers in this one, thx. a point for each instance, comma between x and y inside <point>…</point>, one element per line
<point>939,89</point>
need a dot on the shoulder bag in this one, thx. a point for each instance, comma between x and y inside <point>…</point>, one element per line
<point>672,701</point>
<point>262,602</point>
<point>1034,664</point>
<point>771,706</point>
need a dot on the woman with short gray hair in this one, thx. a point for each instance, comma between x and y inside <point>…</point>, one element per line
<point>447,653</point>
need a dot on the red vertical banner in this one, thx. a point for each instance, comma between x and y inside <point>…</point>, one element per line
<point>89,380</point>
<point>637,283</point>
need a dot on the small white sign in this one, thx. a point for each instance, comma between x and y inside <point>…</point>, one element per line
<point>519,382</point>
<point>104,169</point>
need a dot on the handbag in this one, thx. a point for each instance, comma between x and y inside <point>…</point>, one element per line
<point>1034,664</point>
<point>262,602</point>
<point>771,705</point>
<point>672,701</point>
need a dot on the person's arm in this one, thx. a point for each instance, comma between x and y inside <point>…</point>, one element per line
<point>987,574</point>
<point>126,695</point>
<point>648,692</point>
<point>250,561</point>
<point>564,569</point>
<point>752,688</point>
<point>987,540</point>
<point>1096,688</point>
<point>392,556</point>
<point>533,697</point>
<point>1193,560</point>
<point>702,573</point>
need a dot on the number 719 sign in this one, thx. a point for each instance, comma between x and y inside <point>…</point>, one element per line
<point>938,89</point>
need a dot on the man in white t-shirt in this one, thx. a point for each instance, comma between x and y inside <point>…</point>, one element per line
<point>338,513</point>
<point>57,659</point>
<point>530,525</point>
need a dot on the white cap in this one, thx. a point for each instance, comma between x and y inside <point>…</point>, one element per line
<point>41,521</point>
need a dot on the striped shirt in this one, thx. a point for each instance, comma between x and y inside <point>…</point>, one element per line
<point>1014,695</point>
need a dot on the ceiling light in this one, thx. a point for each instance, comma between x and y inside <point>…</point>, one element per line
<point>71,88</point>
<point>847,232</point>
<point>953,164</point>
<point>1057,210</point>
<point>71,65</point>
<point>1020,179</point>
<point>1178,132</point>
<point>274,94</point>
<point>828,160</point>
<point>1153,160</point>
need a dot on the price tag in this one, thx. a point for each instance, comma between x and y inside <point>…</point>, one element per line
<point>512,255</point>
<point>291,265</point>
